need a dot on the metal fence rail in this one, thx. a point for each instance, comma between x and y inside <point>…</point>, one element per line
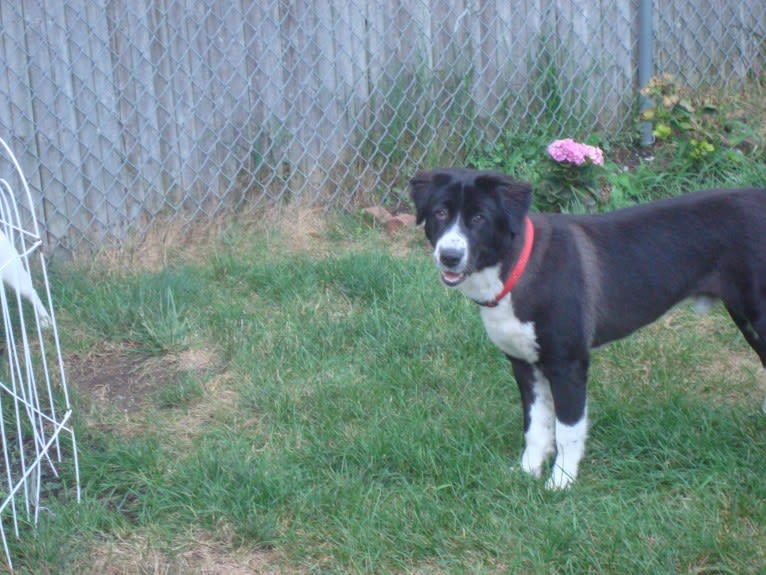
<point>128,113</point>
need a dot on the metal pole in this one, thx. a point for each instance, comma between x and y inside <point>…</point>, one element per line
<point>645,62</point>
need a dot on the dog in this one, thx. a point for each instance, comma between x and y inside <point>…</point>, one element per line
<point>551,287</point>
<point>14,273</point>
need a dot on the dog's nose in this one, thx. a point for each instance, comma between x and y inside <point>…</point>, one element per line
<point>450,257</point>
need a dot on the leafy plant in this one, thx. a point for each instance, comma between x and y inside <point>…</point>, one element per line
<point>702,130</point>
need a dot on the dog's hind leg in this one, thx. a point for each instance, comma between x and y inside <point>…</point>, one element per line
<point>568,387</point>
<point>539,416</point>
<point>753,328</point>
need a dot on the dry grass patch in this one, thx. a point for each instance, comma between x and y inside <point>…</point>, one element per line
<point>202,553</point>
<point>164,242</point>
<point>218,402</point>
<point>172,240</point>
<point>303,230</point>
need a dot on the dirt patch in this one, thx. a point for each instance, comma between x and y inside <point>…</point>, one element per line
<point>630,158</point>
<point>121,391</point>
<point>124,378</point>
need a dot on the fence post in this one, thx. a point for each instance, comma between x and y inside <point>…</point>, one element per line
<point>645,62</point>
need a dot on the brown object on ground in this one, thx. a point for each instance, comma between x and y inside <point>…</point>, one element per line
<point>391,223</point>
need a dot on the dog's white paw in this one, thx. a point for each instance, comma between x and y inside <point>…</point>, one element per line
<point>533,460</point>
<point>527,467</point>
<point>559,480</point>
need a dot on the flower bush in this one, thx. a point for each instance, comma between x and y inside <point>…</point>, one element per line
<point>571,152</point>
<point>571,174</point>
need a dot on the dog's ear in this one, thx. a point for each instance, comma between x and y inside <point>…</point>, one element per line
<point>420,192</point>
<point>515,197</point>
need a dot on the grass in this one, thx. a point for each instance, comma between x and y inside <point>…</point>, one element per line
<point>326,406</point>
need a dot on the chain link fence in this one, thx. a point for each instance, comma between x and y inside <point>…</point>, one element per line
<point>127,115</point>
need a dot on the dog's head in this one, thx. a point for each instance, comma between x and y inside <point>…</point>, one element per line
<point>471,217</point>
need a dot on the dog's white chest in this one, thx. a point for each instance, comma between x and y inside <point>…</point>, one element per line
<point>513,337</point>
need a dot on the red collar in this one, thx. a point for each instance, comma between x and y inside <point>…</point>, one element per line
<point>518,269</point>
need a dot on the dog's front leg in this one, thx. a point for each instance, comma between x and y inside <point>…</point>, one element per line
<point>568,387</point>
<point>539,416</point>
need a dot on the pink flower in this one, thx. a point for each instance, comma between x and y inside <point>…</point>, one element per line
<point>567,150</point>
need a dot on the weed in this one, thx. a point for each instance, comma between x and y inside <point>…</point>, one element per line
<point>180,393</point>
<point>152,310</point>
<point>165,327</point>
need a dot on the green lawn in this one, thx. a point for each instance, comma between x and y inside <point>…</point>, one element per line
<point>314,401</point>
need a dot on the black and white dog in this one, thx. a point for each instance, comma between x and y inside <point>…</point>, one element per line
<point>552,286</point>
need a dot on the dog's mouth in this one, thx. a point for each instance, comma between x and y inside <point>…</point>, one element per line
<point>452,279</point>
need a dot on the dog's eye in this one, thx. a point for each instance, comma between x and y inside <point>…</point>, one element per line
<point>478,219</point>
<point>441,214</point>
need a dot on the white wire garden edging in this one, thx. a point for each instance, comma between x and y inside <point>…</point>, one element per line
<point>35,411</point>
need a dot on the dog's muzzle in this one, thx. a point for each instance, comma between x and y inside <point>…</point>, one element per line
<point>451,255</point>
<point>451,262</point>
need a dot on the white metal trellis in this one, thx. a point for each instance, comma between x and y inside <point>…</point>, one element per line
<point>35,412</point>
